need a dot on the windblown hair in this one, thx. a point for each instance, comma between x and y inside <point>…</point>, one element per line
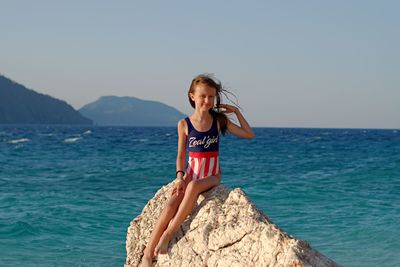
<point>211,81</point>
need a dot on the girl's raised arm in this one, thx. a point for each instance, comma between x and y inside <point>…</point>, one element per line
<point>244,130</point>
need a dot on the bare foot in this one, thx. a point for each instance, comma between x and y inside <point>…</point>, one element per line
<point>162,246</point>
<point>147,261</point>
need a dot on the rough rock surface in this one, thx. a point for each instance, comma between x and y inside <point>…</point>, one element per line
<point>225,229</point>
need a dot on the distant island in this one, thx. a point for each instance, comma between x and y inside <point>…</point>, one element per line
<point>20,105</point>
<point>130,111</point>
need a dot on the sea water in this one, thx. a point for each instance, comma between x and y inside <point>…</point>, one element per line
<point>68,194</point>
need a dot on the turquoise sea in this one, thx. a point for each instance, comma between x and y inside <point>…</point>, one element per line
<point>68,194</point>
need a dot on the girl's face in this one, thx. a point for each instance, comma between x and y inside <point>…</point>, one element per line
<point>204,96</point>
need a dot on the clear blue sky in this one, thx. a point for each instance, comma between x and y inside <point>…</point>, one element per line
<point>290,63</point>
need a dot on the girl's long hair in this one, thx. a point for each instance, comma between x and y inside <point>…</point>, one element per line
<point>211,81</point>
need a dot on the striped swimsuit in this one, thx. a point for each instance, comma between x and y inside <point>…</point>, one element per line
<point>203,151</point>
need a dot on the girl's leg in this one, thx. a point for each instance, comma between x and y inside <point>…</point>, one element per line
<point>166,215</point>
<point>194,188</point>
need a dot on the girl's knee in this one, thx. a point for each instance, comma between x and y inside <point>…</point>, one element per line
<point>192,187</point>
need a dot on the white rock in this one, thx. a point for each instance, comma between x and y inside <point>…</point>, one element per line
<point>225,229</point>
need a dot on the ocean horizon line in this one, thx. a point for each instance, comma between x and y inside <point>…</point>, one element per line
<point>162,126</point>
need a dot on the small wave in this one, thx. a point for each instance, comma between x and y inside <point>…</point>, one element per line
<point>315,139</point>
<point>46,134</point>
<point>19,229</point>
<point>142,140</point>
<point>21,140</point>
<point>71,140</point>
<point>88,132</point>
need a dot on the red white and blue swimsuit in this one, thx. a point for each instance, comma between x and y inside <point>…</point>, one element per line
<point>203,151</point>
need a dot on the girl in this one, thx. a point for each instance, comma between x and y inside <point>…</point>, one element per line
<point>198,133</point>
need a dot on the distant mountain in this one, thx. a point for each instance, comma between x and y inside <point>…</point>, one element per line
<point>20,105</point>
<point>131,111</point>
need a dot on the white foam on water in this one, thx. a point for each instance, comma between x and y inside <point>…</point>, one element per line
<point>71,140</point>
<point>88,132</point>
<point>21,140</point>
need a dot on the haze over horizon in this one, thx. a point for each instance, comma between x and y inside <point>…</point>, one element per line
<point>291,64</point>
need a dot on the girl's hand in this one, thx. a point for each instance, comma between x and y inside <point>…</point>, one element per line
<point>179,187</point>
<point>228,108</point>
